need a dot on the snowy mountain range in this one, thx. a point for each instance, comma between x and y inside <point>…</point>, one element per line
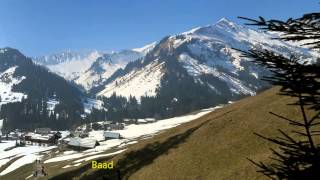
<point>181,73</point>
<point>90,68</point>
<point>68,64</point>
<point>207,56</point>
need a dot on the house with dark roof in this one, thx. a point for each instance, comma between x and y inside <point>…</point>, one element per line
<point>34,139</point>
<point>111,135</point>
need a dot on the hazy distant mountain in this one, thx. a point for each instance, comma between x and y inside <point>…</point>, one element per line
<point>89,69</point>
<point>69,64</point>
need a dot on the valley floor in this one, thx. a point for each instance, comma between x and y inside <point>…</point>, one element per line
<point>19,162</point>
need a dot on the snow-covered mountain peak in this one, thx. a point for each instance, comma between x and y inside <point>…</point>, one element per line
<point>65,56</point>
<point>207,56</point>
<point>87,68</point>
<point>223,28</point>
<point>222,23</point>
<point>69,64</point>
<point>192,31</point>
<point>223,31</point>
<point>225,21</point>
<point>145,49</point>
<point>227,33</point>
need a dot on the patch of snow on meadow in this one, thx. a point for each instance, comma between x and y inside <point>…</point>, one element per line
<point>28,159</point>
<point>99,156</point>
<point>27,155</point>
<point>134,131</point>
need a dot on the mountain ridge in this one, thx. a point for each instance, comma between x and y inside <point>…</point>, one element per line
<point>90,68</point>
<point>206,51</point>
<point>181,73</point>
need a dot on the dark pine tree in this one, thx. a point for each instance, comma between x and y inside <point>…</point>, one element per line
<point>298,156</point>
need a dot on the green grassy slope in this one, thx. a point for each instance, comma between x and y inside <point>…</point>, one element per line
<point>215,146</point>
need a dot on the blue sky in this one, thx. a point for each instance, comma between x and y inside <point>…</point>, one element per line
<point>39,27</point>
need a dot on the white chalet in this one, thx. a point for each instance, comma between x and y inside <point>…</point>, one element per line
<point>83,143</point>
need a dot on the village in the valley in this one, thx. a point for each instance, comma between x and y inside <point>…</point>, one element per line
<point>44,150</point>
<point>82,138</point>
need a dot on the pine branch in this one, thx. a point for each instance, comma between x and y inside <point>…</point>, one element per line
<point>296,159</point>
<point>291,121</point>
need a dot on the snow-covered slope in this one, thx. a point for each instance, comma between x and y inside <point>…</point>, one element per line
<point>89,104</point>
<point>145,49</point>
<point>143,82</point>
<point>196,69</point>
<point>92,68</point>
<point>6,83</point>
<point>207,55</point>
<point>104,66</point>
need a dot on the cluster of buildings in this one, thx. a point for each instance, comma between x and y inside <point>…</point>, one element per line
<point>40,137</point>
<point>80,143</point>
<point>79,139</point>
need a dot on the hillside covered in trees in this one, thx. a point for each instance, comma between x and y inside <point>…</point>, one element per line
<point>38,86</point>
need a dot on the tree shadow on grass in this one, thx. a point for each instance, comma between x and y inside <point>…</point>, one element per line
<point>73,173</point>
<point>136,160</point>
